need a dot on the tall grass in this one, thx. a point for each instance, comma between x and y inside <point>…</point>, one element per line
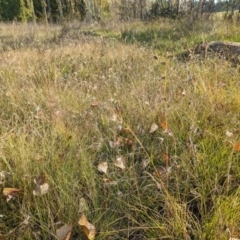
<point>67,99</point>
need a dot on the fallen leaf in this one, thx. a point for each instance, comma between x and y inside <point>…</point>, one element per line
<point>121,142</point>
<point>161,139</point>
<point>166,158</point>
<point>4,176</point>
<point>126,130</point>
<point>145,163</point>
<point>118,143</point>
<point>113,117</point>
<point>41,187</point>
<point>184,92</point>
<point>236,147</point>
<point>153,128</point>
<point>236,130</point>
<point>11,193</point>
<point>168,132</point>
<point>103,167</point>
<point>112,144</point>
<point>163,125</point>
<point>88,228</point>
<point>94,104</point>
<point>128,142</point>
<point>229,134</point>
<point>109,181</point>
<point>120,162</point>
<point>64,232</point>
<point>40,179</point>
<point>26,220</point>
<point>162,173</point>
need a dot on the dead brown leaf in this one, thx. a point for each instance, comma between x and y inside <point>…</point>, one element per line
<point>121,142</point>
<point>11,193</point>
<point>40,179</point>
<point>236,147</point>
<point>163,125</point>
<point>120,162</point>
<point>64,232</point>
<point>103,167</point>
<point>166,158</point>
<point>109,181</point>
<point>41,187</point>
<point>88,228</point>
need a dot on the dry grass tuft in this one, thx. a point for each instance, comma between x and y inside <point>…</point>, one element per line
<point>73,98</point>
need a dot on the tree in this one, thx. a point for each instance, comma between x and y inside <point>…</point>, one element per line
<point>9,9</point>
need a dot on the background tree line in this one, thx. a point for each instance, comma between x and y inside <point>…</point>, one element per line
<point>50,11</point>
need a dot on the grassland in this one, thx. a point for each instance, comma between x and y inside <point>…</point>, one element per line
<point>76,96</point>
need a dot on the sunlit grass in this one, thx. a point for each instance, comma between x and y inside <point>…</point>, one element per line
<point>65,100</point>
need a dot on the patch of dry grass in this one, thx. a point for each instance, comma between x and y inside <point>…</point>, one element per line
<point>75,101</point>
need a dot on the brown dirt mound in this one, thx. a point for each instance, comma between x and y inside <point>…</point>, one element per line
<point>228,50</point>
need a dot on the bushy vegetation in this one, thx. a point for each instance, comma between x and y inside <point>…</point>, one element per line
<point>59,11</point>
<point>105,121</point>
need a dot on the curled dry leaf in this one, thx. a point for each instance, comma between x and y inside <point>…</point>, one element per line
<point>11,193</point>
<point>153,128</point>
<point>120,162</point>
<point>103,167</point>
<point>88,228</point>
<point>64,232</point>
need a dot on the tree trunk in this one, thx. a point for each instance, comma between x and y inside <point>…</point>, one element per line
<point>49,10</point>
<point>44,10</point>
<point>31,6</point>
<point>60,8</point>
